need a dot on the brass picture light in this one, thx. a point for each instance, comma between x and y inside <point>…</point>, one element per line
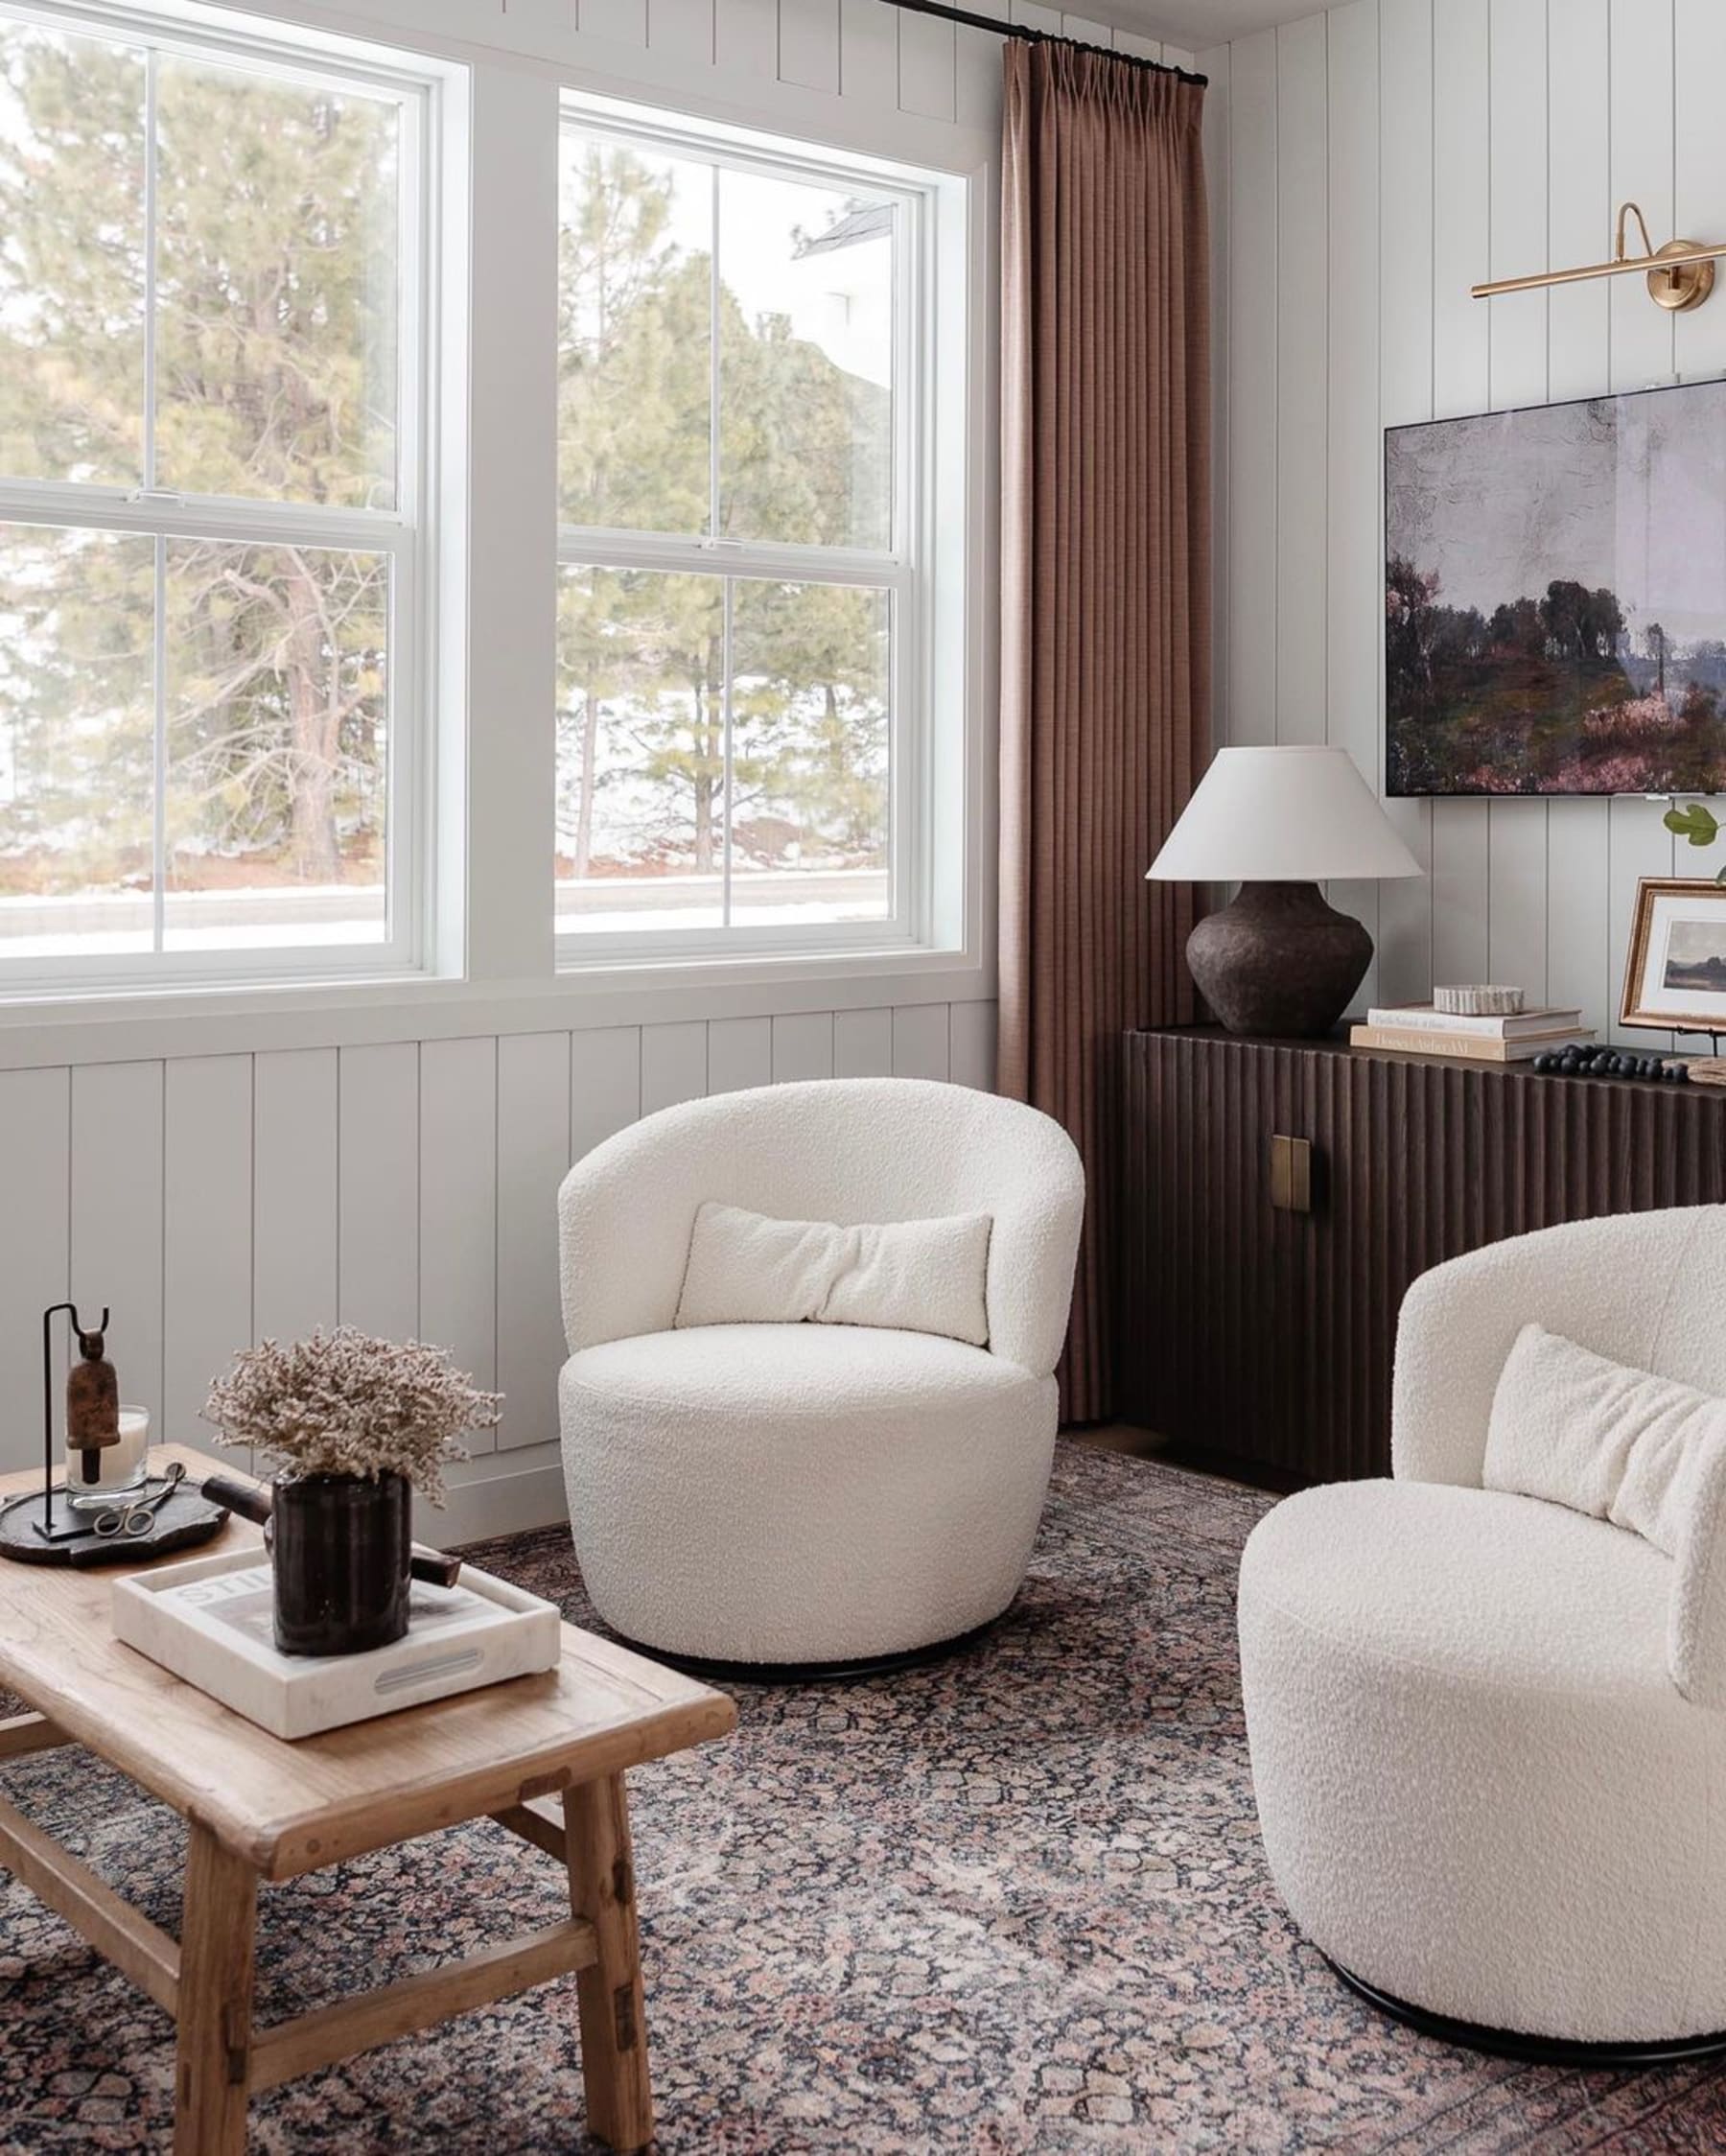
<point>1680,276</point>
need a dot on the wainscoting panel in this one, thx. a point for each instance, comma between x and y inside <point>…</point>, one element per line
<point>296,1192</point>
<point>207,1247</point>
<point>116,1164</point>
<point>1378,160</point>
<point>408,1188</point>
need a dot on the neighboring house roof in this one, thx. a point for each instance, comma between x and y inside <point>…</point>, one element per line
<point>869,220</point>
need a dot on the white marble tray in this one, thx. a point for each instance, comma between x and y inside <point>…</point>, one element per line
<point>209,1622</point>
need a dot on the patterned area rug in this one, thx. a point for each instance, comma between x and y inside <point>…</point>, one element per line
<point>1011,1902</point>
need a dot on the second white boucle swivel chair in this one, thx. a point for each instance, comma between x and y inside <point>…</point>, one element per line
<point>811,1493</point>
<point>1489,1777</point>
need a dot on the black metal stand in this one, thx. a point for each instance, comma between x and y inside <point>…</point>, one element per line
<point>72,1526</point>
<point>1537,2051</point>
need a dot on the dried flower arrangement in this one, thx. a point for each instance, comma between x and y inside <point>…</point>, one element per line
<point>342,1403</point>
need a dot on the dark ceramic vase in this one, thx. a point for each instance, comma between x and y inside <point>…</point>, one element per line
<point>341,1545</point>
<point>1280,960</point>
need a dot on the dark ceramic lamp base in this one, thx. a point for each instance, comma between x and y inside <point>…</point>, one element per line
<point>1279,960</point>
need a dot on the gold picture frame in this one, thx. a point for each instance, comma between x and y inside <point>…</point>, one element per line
<point>1677,947</point>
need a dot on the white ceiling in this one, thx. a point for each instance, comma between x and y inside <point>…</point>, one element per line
<point>1199,23</point>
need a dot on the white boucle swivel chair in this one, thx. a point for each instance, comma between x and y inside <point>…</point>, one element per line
<point>811,1494</point>
<point>1481,1794</point>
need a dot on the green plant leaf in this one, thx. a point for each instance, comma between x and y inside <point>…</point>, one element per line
<point>1694,822</point>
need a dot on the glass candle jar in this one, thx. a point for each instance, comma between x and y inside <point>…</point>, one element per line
<point>120,1468</point>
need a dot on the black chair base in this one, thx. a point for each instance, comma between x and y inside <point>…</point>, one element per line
<point>1538,2051</point>
<point>808,1672</point>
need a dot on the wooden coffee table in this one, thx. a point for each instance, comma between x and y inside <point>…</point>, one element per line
<point>544,1755</point>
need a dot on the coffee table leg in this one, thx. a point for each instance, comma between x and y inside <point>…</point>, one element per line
<point>614,2029</point>
<point>215,1999</point>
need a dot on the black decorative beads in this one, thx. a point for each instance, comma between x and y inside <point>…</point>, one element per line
<point>1610,1063</point>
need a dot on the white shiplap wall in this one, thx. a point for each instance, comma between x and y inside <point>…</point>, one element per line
<point>406,1186</point>
<point>405,1181</point>
<point>1368,165</point>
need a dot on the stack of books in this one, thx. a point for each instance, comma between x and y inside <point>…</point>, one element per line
<point>1418,1030</point>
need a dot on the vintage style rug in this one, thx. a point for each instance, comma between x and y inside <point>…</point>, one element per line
<point>1013,1902</point>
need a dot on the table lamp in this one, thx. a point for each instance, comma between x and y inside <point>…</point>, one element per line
<point>1279,959</point>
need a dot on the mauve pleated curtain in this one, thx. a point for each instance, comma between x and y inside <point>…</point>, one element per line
<point>1104,603</point>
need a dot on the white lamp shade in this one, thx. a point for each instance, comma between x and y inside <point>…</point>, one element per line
<point>1283,815</point>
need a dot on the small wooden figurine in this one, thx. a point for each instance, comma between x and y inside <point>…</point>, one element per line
<point>92,1405</point>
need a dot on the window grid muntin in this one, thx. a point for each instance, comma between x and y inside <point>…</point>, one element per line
<point>894,569</point>
<point>168,514</point>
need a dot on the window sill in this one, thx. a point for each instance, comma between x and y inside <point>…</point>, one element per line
<point>45,1031</point>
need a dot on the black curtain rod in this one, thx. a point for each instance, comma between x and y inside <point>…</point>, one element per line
<point>1037,36</point>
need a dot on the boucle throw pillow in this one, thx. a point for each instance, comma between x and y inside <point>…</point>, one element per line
<point>911,1275</point>
<point>1642,1451</point>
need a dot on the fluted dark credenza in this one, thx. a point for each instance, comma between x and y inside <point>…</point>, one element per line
<point>1262,1277</point>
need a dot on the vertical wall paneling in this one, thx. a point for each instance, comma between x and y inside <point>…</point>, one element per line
<point>746,36</point>
<point>1638,844</point>
<point>605,1085</point>
<point>1302,397</point>
<point>379,1121</point>
<point>862,1044</point>
<point>920,1041</point>
<point>928,65</point>
<point>624,21</point>
<point>1353,590</point>
<point>673,1063</point>
<point>686,29</point>
<point>459,1206</point>
<point>206,1231</point>
<point>1252,391</point>
<point>1642,89</point>
<point>116,1216</point>
<point>1462,383</point>
<point>1516,830</point>
<point>1699,174</point>
<point>802,1045</point>
<point>533,1153</point>
<point>739,1054</point>
<point>1579,203</point>
<point>295,1200</point>
<point>1643,349</point>
<point>1405,953</point>
<point>1456,139</point>
<point>808,43</point>
<point>869,67</point>
<point>971,1046</point>
<point>1698,169</point>
<point>1579,898</point>
<point>35,1141</point>
<point>1145,48</point>
<point>977,65</point>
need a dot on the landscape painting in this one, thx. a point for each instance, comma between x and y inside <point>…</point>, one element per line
<point>1695,955</point>
<point>1556,598</point>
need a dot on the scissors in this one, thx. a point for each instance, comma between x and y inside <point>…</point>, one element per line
<point>136,1517</point>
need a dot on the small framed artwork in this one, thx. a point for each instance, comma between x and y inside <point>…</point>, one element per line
<point>1677,976</point>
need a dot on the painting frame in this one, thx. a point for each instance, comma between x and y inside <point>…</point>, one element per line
<point>1573,667</point>
<point>1651,996</point>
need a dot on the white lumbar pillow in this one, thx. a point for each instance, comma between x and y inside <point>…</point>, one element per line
<point>1642,1451</point>
<point>911,1275</point>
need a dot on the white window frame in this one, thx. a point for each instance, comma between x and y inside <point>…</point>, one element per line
<point>406,534</point>
<point>904,569</point>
